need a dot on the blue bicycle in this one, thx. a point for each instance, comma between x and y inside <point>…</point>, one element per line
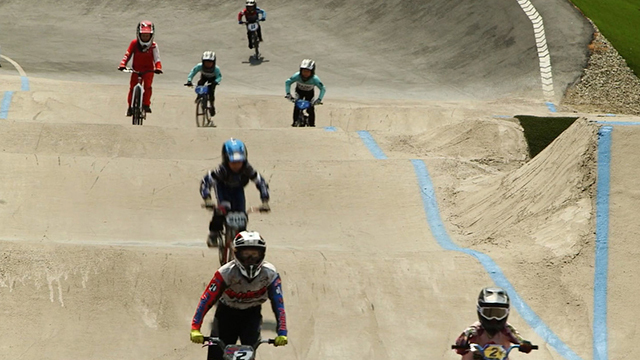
<point>204,109</point>
<point>303,115</point>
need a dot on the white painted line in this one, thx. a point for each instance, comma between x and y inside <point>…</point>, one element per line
<point>543,51</point>
<point>16,65</point>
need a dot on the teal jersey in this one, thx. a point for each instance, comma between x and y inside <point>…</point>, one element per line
<point>305,85</point>
<point>198,68</point>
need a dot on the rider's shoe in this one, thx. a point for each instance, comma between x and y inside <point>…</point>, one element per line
<point>146,108</point>
<point>212,111</point>
<point>250,46</point>
<point>130,111</point>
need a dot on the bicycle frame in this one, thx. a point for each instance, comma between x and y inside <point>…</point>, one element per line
<point>254,37</point>
<point>236,352</point>
<point>203,105</point>
<point>139,115</point>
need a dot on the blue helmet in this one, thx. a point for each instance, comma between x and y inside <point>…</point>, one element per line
<point>234,150</point>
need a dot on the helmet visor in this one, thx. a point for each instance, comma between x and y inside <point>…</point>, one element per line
<point>494,313</point>
<point>236,156</point>
<point>249,257</point>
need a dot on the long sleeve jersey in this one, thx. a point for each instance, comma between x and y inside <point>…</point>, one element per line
<point>231,288</point>
<point>142,60</point>
<point>252,17</point>
<point>476,334</point>
<point>216,75</point>
<point>305,85</point>
<point>222,174</point>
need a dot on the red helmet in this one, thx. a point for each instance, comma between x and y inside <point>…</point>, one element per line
<point>145,27</point>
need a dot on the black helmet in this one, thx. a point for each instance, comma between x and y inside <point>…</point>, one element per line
<point>493,309</point>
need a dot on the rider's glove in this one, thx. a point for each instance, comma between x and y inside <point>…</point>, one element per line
<point>525,347</point>
<point>189,84</point>
<point>240,22</point>
<point>208,202</point>
<point>121,68</point>
<point>197,337</point>
<point>263,19</point>
<point>317,102</point>
<point>288,96</point>
<point>280,340</point>
<point>157,71</point>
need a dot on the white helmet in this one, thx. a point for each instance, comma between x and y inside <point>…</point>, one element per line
<point>249,265</point>
<point>209,55</point>
<point>250,3</point>
<point>309,65</point>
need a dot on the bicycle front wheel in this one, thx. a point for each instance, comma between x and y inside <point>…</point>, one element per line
<point>137,106</point>
<point>201,111</point>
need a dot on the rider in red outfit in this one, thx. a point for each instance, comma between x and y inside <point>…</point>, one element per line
<point>146,57</point>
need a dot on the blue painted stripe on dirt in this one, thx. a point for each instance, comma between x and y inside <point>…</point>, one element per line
<point>551,106</point>
<point>442,237</point>
<point>25,83</point>
<point>372,145</point>
<point>330,128</point>
<point>623,123</point>
<point>6,102</point>
<point>600,338</point>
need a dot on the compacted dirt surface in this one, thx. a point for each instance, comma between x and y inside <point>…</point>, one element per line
<point>102,237</point>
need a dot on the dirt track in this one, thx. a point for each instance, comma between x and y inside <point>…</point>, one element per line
<point>103,254</point>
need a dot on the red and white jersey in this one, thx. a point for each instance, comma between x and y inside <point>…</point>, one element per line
<point>242,294</point>
<point>142,60</point>
<point>231,288</point>
<point>477,335</point>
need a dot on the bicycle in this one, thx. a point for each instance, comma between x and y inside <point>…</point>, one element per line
<point>303,116</point>
<point>234,222</point>
<point>490,351</point>
<point>236,352</point>
<point>204,108</point>
<point>139,115</point>
<point>252,28</point>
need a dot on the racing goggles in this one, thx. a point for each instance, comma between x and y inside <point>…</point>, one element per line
<point>493,313</point>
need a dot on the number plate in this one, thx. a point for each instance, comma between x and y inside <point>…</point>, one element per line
<point>238,352</point>
<point>494,352</point>
<point>252,26</point>
<point>237,220</point>
<point>201,90</point>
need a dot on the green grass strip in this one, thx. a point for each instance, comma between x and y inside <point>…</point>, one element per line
<point>541,131</point>
<point>618,20</point>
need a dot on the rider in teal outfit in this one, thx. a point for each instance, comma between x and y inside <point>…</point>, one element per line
<point>306,81</point>
<point>210,72</point>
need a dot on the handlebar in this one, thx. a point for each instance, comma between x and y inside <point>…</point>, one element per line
<point>210,341</point>
<point>476,347</point>
<point>252,209</point>
<point>129,70</point>
<point>294,99</point>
